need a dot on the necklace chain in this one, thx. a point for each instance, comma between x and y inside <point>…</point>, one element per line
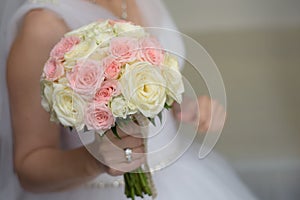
<point>124,9</point>
<point>124,6</point>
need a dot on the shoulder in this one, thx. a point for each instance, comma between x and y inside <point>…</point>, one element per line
<point>39,32</point>
<point>43,26</point>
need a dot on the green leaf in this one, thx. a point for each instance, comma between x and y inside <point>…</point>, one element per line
<point>114,130</point>
<point>152,120</point>
<point>167,106</point>
<point>160,117</point>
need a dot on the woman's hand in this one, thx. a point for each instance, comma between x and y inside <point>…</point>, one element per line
<point>109,150</point>
<point>210,113</point>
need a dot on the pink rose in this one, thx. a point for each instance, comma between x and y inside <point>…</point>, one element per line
<point>108,89</point>
<point>124,49</point>
<point>112,67</point>
<point>85,77</point>
<point>151,51</point>
<point>99,117</point>
<point>53,70</point>
<point>65,45</point>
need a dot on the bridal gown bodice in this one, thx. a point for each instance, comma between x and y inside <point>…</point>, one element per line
<point>188,177</point>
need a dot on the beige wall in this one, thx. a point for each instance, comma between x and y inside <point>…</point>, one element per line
<point>256,45</point>
<point>260,67</point>
<point>260,70</point>
<point>261,138</point>
<point>205,15</point>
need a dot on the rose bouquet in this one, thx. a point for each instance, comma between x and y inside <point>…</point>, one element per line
<point>108,71</point>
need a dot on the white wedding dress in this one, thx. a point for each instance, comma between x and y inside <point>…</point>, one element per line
<point>187,178</point>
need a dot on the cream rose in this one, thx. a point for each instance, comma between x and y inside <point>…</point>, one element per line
<point>92,28</point>
<point>99,32</point>
<point>171,61</point>
<point>81,31</point>
<point>175,86</point>
<point>81,51</point>
<point>46,94</point>
<point>143,86</point>
<point>121,108</point>
<point>169,101</point>
<point>99,54</point>
<point>129,29</point>
<point>68,106</point>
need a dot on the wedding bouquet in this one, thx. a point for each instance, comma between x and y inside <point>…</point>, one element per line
<point>107,71</point>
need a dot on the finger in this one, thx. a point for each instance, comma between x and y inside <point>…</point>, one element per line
<point>203,127</point>
<point>128,142</point>
<point>124,167</point>
<point>129,128</point>
<point>176,108</point>
<point>212,123</point>
<point>188,112</point>
<point>141,120</point>
<point>220,119</point>
<point>205,108</point>
<point>124,131</point>
<point>113,159</point>
<point>113,144</point>
<point>114,154</point>
<point>215,116</point>
<point>98,137</point>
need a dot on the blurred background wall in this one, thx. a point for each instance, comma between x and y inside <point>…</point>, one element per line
<point>256,45</point>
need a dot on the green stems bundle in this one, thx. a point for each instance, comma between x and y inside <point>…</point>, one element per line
<point>137,184</point>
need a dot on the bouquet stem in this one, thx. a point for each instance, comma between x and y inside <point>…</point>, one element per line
<point>136,184</point>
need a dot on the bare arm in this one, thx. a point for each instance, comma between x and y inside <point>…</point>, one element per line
<point>39,162</point>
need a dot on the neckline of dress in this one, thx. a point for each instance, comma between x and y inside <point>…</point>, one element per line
<point>110,13</point>
<point>99,7</point>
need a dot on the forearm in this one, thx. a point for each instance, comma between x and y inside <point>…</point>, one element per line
<point>48,169</point>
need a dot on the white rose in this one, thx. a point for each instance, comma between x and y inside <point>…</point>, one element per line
<point>91,29</point>
<point>68,106</point>
<point>47,102</point>
<point>46,94</point>
<point>120,108</point>
<point>169,101</point>
<point>99,32</point>
<point>132,109</point>
<point>63,81</point>
<point>175,86</point>
<point>99,54</point>
<point>81,51</point>
<point>171,61</point>
<point>144,87</point>
<point>81,31</point>
<point>128,29</point>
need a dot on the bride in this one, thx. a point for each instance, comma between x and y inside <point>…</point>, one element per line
<point>41,160</point>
